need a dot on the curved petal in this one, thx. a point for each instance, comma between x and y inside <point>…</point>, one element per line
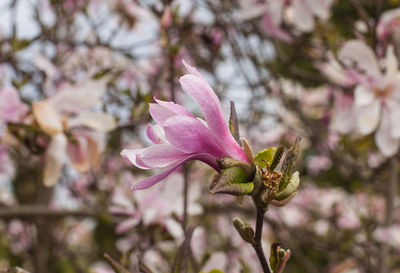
<point>368,117</point>
<point>176,108</point>
<point>47,118</point>
<point>155,134</point>
<point>197,88</point>
<point>363,96</point>
<point>55,158</point>
<point>134,157</point>
<point>393,108</point>
<point>99,121</point>
<point>302,16</point>
<point>383,137</point>
<point>78,97</point>
<point>161,155</point>
<point>190,135</point>
<point>150,181</point>
<point>159,113</point>
<point>360,54</point>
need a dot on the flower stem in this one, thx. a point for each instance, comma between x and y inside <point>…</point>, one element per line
<point>257,238</point>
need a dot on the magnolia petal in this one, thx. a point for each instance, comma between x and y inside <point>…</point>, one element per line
<point>363,96</point>
<point>150,181</point>
<point>159,113</point>
<point>197,88</point>
<point>391,63</point>
<point>79,97</point>
<point>161,155</point>
<point>11,107</point>
<point>302,17</point>
<point>393,108</point>
<point>275,10</point>
<point>273,30</point>
<point>193,71</point>
<point>77,153</point>
<point>134,157</point>
<point>383,137</point>
<point>178,109</point>
<point>54,159</point>
<point>191,136</point>
<point>320,8</point>
<point>360,54</point>
<point>368,117</point>
<point>47,118</point>
<point>99,121</point>
<point>155,134</point>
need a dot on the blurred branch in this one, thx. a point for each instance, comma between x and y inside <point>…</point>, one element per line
<point>390,195</point>
<point>33,211</point>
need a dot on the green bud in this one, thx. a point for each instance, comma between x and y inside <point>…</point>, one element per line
<point>288,164</point>
<point>278,258</point>
<point>233,180</point>
<point>277,158</point>
<point>281,198</point>
<point>244,229</point>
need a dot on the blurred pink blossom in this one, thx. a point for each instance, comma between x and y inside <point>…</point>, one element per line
<point>12,109</point>
<point>376,96</point>
<point>179,136</point>
<point>388,23</point>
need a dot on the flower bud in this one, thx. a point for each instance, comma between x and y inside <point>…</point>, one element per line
<point>233,180</point>
<point>244,229</point>
<point>278,258</point>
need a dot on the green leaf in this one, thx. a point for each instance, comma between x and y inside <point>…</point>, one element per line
<point>232,181</point>
<point>290,188</point>
<point>266,155</point>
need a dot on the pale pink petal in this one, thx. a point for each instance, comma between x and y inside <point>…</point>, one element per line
<point>336,73</point>
<point>78,97</point>
<point>134,157</point>
<point>275,10</point>
<point>150,181</point>
<point>193,71</point>
<point>47,118</point>
<point>98,121</point>
<point>363,95</point>
<point>127,224</point>
<point>12,109</point>
<point>159,113</point>
<point>209,103</point>
<point>320,8</point>
<point>302,17</point>
<point>368,117</point>
<point>383,137</point>
<point>191,136</point>
<point>161,155</point>
<point>274,30</point>
<point>54,159</point>
<point>358,53</point>
<point>155,134</point>
<point>178,109</point>
<point>394,115</point>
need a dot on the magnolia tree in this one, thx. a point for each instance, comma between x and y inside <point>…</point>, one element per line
<point>109,110</point>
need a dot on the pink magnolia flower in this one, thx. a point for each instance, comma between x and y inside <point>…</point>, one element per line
<point>388,24</point>
<point>301,14</point>
<point>12,109</point>
<point>377,93</point>
<point>72,109</point>
<point>179,136</point>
